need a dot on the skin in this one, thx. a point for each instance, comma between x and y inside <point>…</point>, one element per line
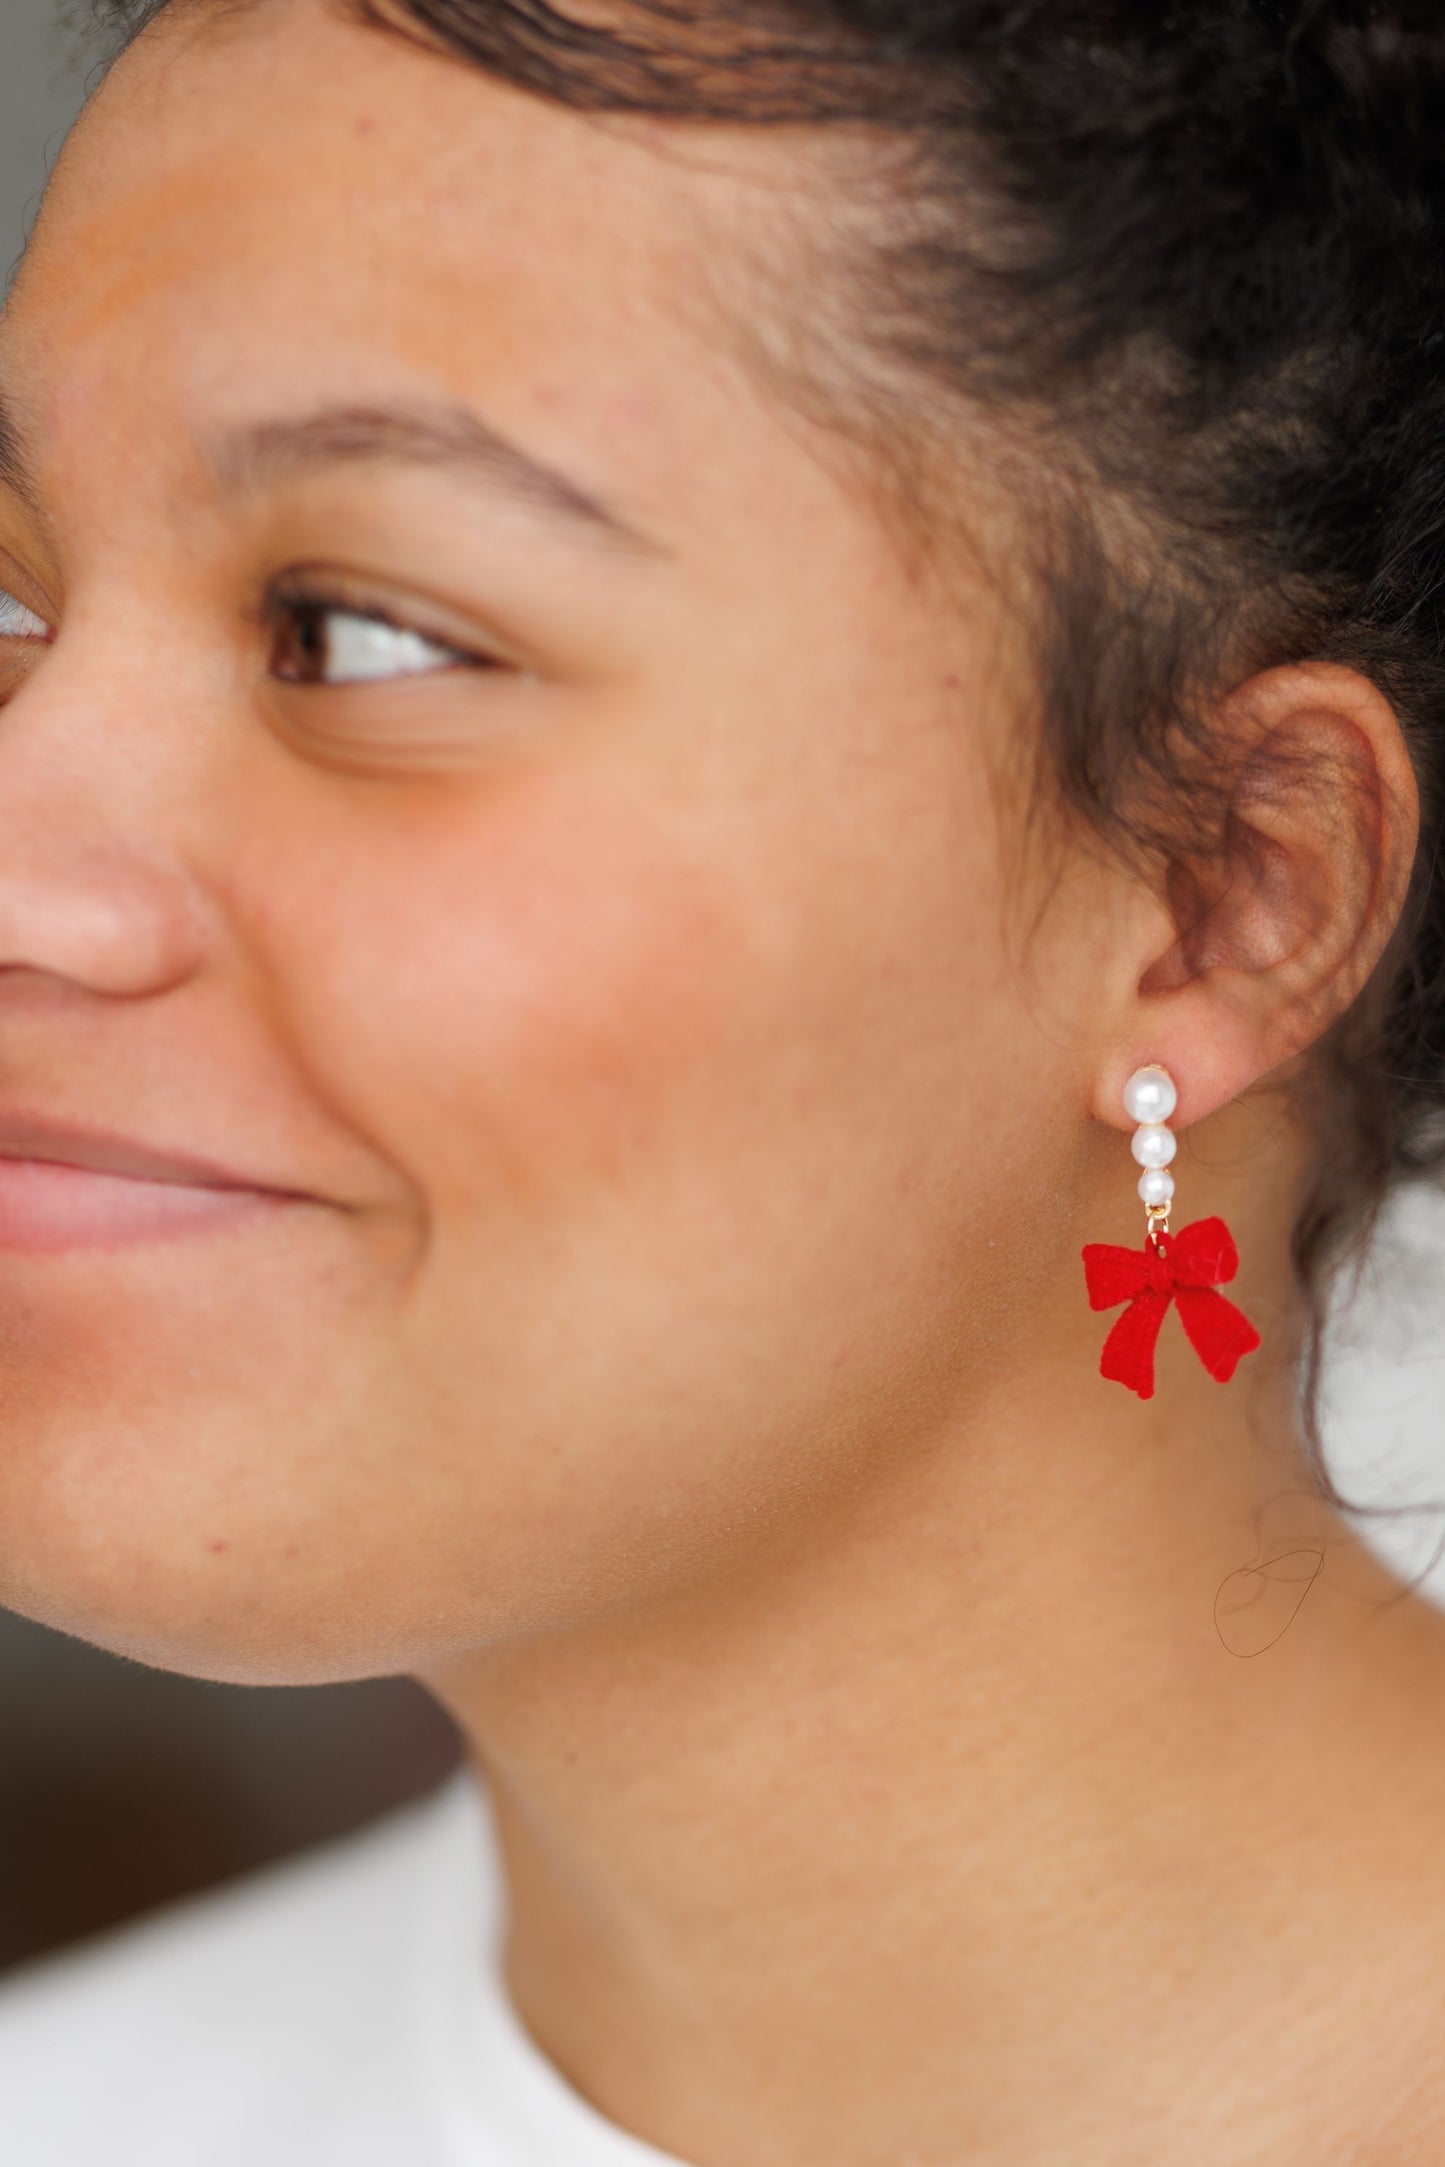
<point>674,1349</point>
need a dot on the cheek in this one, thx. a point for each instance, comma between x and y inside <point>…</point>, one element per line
<point>696,1017</point>
<point>519,1002</point>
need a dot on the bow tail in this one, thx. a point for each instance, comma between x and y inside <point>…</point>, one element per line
<point>1129,1349</point>
<point>1220,1334</point>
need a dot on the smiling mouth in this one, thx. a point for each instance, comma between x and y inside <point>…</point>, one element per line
<point>65,1188</point>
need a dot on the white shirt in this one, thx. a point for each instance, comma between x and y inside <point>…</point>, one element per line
<point>345,2009</point>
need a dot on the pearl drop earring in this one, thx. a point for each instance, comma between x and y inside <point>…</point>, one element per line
<point>1186,1270</point>
<point>1150,1098</point>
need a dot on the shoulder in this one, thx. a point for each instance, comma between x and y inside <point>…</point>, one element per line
<point>225,2027</point>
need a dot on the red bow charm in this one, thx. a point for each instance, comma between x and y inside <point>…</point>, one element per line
<point>1188,1270</point>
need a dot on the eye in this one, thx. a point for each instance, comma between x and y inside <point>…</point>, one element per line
<point>319,642</point>
<point>19,623</point>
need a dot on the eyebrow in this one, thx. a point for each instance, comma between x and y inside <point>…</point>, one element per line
<point>440,436</point>
<point>15,469</point>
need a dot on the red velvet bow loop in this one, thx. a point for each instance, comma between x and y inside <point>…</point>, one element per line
<point>1188,1270</point>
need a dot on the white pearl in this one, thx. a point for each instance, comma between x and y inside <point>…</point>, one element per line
<point>1156,1188</point>
<point>1154,1146</point>
<point>1149,1095</point>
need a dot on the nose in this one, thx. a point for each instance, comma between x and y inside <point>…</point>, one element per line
<point>92,896</point>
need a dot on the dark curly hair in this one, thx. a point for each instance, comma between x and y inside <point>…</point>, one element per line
<point>1198,246</point>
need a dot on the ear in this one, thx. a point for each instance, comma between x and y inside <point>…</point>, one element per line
<point>1275,931</point>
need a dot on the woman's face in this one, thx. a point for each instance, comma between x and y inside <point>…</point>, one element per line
<point>502,801</point>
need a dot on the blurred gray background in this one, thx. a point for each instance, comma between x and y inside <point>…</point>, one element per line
<point>121,1788</point>
<point>41,85</point>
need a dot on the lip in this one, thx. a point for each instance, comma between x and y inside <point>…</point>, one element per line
<point>66,1187</point>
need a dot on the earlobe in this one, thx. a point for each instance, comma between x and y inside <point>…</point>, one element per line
<point>1282,917</point>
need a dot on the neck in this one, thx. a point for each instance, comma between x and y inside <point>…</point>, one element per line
<point>984,1793</point>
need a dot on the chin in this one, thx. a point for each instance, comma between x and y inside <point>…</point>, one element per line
<point>191,1549</point>
<point>196,1499</point>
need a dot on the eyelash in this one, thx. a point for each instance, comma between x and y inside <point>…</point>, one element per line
<point>298,603</point>
<point>292,604</point>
